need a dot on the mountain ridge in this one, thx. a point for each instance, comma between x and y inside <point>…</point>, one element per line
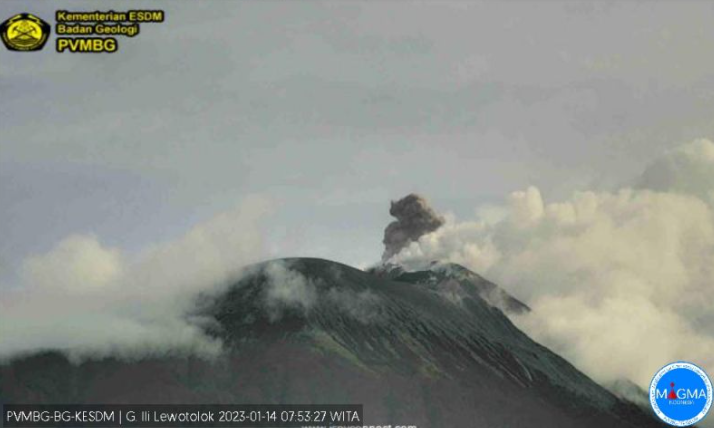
<point>317,331</point>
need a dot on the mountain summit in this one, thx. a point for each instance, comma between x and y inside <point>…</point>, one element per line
<point>423,348</point>
<point>455,282</point>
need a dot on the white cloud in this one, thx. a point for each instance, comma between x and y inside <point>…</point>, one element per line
<point>89,300</point>
<point>287,288</point>
<point>77,263</point>
<point>620,282</point>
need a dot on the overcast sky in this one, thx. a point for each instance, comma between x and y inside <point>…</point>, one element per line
<point>330,110</point>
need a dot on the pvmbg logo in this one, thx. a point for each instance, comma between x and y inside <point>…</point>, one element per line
<point>681,394</point>
<point>24,32</point>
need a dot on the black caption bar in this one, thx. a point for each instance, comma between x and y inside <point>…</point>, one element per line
<point>199,416</point>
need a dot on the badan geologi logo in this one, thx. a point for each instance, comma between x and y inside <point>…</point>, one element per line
<point>681,394</point>
<point>24,32</point>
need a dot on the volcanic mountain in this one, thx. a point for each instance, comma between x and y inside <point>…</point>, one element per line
<point>431,348</point>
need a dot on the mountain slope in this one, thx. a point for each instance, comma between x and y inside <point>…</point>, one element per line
<point>457,282</point>
<point>315,331</point>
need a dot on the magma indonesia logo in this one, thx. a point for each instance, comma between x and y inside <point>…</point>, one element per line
<point>24,32</point>
<point>681,394</point>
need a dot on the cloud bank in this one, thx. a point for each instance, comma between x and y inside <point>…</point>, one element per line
<point>89,300</point>
<point>620,283</point>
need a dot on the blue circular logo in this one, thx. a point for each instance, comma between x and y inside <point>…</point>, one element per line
<point>681,394</point>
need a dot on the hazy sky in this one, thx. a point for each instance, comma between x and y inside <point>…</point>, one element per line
<point>332,109</point>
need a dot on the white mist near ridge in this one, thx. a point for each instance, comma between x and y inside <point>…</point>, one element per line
<point>89,300</point>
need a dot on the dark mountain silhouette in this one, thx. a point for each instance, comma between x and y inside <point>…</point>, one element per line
<point>421,348</point>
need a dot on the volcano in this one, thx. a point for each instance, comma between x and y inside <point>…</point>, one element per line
<point>431,348</point>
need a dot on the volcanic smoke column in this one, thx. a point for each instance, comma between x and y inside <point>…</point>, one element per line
<point>415,218</point>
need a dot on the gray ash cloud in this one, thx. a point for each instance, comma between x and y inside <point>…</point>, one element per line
<point>414,218</point>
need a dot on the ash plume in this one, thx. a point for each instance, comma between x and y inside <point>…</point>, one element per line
<point>414,218</point>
